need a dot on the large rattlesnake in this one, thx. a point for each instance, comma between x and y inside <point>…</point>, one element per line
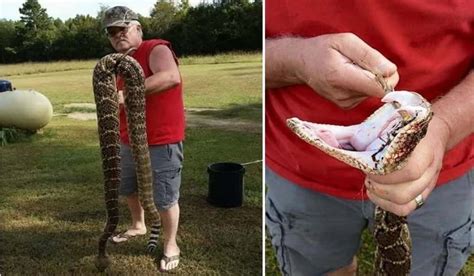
<point>379,145</point>
<point>106,98</point>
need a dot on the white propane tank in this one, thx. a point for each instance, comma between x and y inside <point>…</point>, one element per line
<point>25,109</point>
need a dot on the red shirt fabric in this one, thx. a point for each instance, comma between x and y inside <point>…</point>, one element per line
<point>164,110</point>
<point>432,44</point>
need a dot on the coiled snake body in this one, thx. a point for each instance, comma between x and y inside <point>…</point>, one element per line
<point>379,145</point>
<point>106,98</point>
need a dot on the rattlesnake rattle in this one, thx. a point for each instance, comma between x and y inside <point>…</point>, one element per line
<point>106,98</point>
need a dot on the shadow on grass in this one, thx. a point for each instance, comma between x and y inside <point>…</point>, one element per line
<point>243,74</point>
<point>251,112</point>
<point>240,68</point>
<point>52,207</point>
<point>233,234</point>
<point>56,238</point>
<point>60,251</point>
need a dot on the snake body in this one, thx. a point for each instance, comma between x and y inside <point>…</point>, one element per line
<point>392,237</point>
<point>106,98</point>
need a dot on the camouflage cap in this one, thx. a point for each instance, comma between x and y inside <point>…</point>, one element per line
<point>119,16</point>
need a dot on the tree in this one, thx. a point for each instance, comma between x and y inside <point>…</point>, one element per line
<point>34,16</point>
<point>36,31</point>
<point>184,7</point>
<point>163,16</point>
<point>7,41</point>
<point>214,26</point>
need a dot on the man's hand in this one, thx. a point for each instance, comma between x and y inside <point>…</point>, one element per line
<point>453,121</point>
<point>395,192</point>
<point>340,67</point>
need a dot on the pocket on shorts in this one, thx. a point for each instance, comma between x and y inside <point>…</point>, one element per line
<point>459,245</point>
<point>275,223</point>
<point>166,188</point>
<point>175,153</point>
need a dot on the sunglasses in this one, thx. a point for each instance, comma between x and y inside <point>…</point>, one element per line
<point>113,31</point>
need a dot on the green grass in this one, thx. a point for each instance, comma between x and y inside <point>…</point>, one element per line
<point>236,57</point>
<point>227,85</point>
<point>85,109</point>
<point>51,204</point>
<point>27,68</point>
<point>247,112</point>
<point>11,135</point>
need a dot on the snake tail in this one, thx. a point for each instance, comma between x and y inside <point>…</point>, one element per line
<point>153,240</point>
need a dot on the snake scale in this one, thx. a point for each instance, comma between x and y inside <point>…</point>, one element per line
<point>106,98</point>
<point>379,145</point>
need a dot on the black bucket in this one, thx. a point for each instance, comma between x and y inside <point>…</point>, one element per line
<point>5,86</point>
<point>226,184</point>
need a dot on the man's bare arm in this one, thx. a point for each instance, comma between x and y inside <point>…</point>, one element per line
<point>281,62</point>
<point>456,110</point>
<point>166,74</point>
<point>340,67</point>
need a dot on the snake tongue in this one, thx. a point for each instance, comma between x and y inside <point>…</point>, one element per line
<point>378,145</point>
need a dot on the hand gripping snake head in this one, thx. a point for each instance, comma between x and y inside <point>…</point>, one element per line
<point>380,144</point>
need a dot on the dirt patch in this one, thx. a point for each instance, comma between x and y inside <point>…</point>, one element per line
<point>82,116</point>
<point>200,109</point>
<point>193,119</point>
<point>90,106</point>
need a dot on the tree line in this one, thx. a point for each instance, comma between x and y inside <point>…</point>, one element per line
<point>209,28</point>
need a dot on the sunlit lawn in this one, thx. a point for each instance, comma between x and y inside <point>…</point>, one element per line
<point>51,192</point>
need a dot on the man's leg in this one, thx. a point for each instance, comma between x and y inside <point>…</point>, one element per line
<point>442,229</point>
<point>167,164</point>
<point>312,233</point>
<point>138,215</point>
<point>128,188</point>
<point>170,220</point>
<point>350,270</point>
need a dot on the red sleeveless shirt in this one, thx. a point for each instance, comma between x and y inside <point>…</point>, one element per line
<point>432,44</point>
<point>164,110</point>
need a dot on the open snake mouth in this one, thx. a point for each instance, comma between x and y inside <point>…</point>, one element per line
<point>381,143</point>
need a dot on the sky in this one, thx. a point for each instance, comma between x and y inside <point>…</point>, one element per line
<point>65,9</point>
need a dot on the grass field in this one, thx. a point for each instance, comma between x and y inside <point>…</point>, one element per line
<point>51,204</point>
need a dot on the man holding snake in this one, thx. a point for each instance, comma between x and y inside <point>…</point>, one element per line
<point>323,65</point>
<point>165,129</point>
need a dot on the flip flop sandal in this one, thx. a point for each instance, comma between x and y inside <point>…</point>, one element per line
<point>169,260</point>
<point>122,237</point>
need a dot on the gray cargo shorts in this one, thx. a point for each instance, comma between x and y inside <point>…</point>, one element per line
<point>314,233</point>
<point>166,163</point>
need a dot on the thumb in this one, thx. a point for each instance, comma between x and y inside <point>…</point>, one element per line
<point>360,53</point>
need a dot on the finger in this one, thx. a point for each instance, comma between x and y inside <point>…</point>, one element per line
<point>404,192</point>
<point>392,80</point>
<point>399,209</point>
<point>353,77</point>
<point>346,99</point>
<point>363,55</point>
<point>351,103</point>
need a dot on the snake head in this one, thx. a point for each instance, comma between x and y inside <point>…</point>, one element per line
<point>379,145</point>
